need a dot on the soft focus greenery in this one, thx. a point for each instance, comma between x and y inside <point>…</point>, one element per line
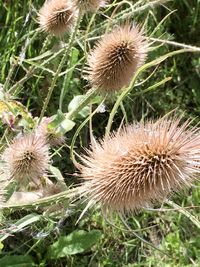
<point>35,235</point>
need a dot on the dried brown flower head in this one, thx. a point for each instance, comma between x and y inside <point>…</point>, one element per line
<point>26,159</point>
<point>88,5</point>
<point>56,16</point>
<point>116,57</point>
<point>141,164</point>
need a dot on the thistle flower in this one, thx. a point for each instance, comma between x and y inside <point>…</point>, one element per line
<point>141,164</point>
<point>56,16</point>
<point>26,159</point>
<point>88,5</point>
<point>116,57</point>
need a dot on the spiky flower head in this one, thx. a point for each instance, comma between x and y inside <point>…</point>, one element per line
<point>26,159</point>
<point>88,5</point>
<point>140,164</point>
<point>116,57</point>
<point>56,17</point>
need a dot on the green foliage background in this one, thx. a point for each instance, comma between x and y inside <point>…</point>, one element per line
<point>40,236</point>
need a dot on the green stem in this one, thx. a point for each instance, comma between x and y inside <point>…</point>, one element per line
<point>46,201</point>
<point>184,212</point>
<point>195,48</point>
<point>62,94</point>
<point>12,69</point>
<point>87,32</point>
<point>140,237</point>
<point>131,86</point>
<point>77,133</point>
<point>30,72</point>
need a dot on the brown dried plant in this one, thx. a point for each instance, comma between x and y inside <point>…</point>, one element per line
<point>26,159</point>
<point>116,57</point>
<point>56,17</point>
<point>140,164</point>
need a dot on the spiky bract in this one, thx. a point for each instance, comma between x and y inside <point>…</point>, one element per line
<point>26,159</point>
<point>116,57</point>
<point>88,5</point>
<point>56,17</point>
<point>141,164</point>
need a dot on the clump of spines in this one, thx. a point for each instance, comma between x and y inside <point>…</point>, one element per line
<point>26,159</point>
<point>57,17</point>
<point>141,164</point>
<point>116,57</point>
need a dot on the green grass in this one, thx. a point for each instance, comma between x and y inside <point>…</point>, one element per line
<point>168,237</point>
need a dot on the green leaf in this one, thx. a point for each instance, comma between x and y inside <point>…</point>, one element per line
<point>1,246</point>
<point>60,124</point>
<point>74,59</point>
<point>65,126</point>
<point>76,242</point>
<point>73,105</point>
<point>56,173</point>
<point>17,261</point>
<point>16,108</point>
<point>57,119</point>
<point>22,223</point>
<point>42,56</point>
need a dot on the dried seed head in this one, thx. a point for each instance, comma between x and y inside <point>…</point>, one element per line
<point>56,17</point>
<point>26,159</point>
<point>116,58</point>
<point>88,5</point>
<point>141,164</point>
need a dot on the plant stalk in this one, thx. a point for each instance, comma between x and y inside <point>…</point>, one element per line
<point>62,94</point>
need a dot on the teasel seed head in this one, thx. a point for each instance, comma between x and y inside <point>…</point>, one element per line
<point>88,5</point>
<point>116,57</point>
<point>26,159</point>
<point>141,164</point>
<point>57,17</point>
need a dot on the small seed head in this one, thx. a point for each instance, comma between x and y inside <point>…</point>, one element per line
<point>116,57</point>
<point>26,159</point>
<point>56,17</point>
